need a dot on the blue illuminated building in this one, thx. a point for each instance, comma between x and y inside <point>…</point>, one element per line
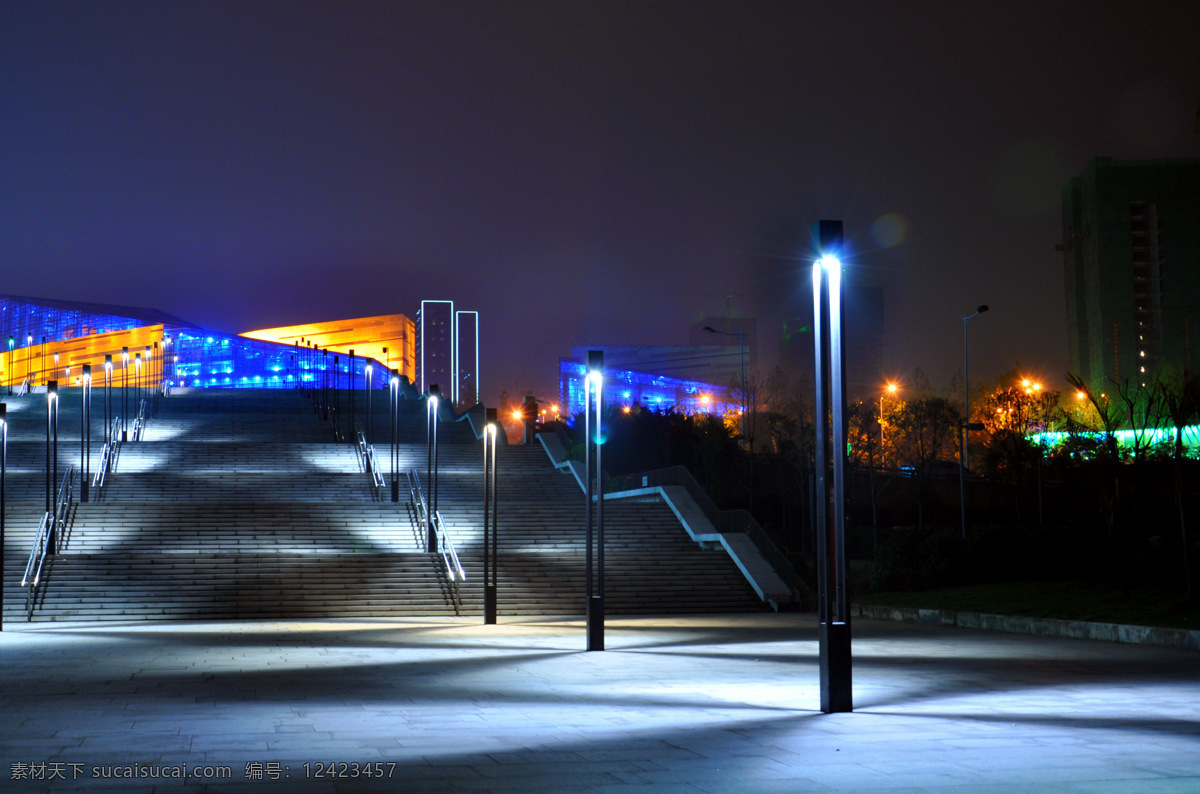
<point>183,354</point>
<point>626,388</point>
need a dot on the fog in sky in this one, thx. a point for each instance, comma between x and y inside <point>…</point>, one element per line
<point>578,172</point>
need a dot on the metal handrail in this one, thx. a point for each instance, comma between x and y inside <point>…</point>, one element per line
<point>417,499</point>
<point>23,389</point>
<point>367,463</point>
<point>139,424</point>
<point>454,568</point>
<point>108,454</point>
<point>446,547</point>
<point>52,524</point>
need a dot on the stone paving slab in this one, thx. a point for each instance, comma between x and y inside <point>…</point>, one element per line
<point>688,704</point>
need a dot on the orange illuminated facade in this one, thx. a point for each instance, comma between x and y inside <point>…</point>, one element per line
<point>366,336</point>
<point>36,362</point>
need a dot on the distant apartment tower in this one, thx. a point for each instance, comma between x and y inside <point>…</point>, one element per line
<point>436,347</point>
<point>1131,258</point>
<point>467,358</point>
<point>448,351</point>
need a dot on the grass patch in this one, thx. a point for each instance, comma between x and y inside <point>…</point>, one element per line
<point>1063,600</point>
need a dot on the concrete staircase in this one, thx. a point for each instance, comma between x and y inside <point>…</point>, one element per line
<point>237,504</point>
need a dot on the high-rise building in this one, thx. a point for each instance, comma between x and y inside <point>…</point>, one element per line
<point>1131,257</point>
<point>467,356</point>
<point>436,347</point>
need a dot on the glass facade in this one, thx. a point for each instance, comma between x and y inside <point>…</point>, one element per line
<point>627,388</point>
<point>183,354</point>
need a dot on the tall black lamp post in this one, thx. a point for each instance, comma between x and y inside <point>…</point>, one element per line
<point>51,460</point>
<point>967,426</point>
<point>393,419</point>
<point>3,477</point>
<point>85,432</point>
<point>431,464</point>
<point>490,562</point>
<point>594,477</point>
<point>124,394</point>
<point>833,612</point>
<point>741,335</point>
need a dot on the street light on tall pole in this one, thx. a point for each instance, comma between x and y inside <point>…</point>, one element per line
<point>490,562</point>
<point>964,437</point>
<point>741,335</point>
<point>829,376</point>
<point>85,432</point>
<point>891,389</point>
<point>124,394</point>
<point>3,477</point>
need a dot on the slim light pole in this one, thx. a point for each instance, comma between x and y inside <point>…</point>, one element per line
<point>9,373</point>
<point>137,388</point>
<point>490,564</point>
<point>337,400</point>
<point>368,370</point>
<point>891,389</point>
<point>431,462</point>
<point>29,360</point>
<point>85,432</point>
<point>741,335</point>
<point>594,477</point>
<point>124,394</point>
<point>51,458</point>
<point>393,416</point>
<point>964,437</point>
<point>108,379</point>
<point>833,612</point>
<point>350,387</point>
<point>3,477</point>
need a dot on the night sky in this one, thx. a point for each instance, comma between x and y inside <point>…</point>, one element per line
<point>578,172</point>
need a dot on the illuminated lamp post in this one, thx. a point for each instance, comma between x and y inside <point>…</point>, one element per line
<point>85,432</point>
<point>56,367</point>
<point>337,400</point>
<point>108,378</point>
<point>490,563</point>
<point>137,382</point>
<point>3,477</point>
<point>891,389</point>
<point>393,416</point>
<point>833,612</point>
<point>42,363</point>
<point>124,394</point>
<point>431,463</point>
<point>368,371</point>
<point>166,368</point>
<point>741,335</point>
<point>594,477</point>
<point>967,426</point>
<point>29,359</point>
<point>51,430</point>
<point>352,395</point>
<point>11,341</point>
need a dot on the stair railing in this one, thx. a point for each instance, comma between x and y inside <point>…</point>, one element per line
<point>49,536</point>
<point>139,424</point>
<point>108,456</point>
<point>366,462</point>
<point>454,569</point>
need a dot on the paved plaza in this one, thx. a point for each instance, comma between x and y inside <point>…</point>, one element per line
<point>711,704</point>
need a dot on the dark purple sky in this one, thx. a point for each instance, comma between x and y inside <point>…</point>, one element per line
<point>579,172</point>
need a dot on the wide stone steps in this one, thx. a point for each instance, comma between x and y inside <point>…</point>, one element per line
<point>237,504</point>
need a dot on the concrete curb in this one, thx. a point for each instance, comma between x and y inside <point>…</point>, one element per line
<point>1041,627</point>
